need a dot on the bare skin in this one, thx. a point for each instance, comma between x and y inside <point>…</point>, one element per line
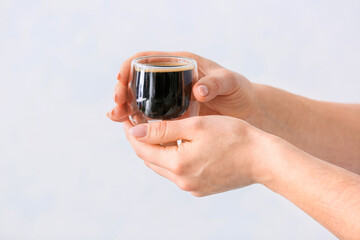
<point>224,153</point>
<point>326,130</point>
<point>330,131</point>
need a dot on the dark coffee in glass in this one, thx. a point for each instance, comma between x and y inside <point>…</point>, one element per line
<point>162,88</point>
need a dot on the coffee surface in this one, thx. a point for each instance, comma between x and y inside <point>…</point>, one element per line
<point>163,94</point>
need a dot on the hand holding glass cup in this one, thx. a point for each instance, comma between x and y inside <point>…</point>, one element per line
<point>161,88</point>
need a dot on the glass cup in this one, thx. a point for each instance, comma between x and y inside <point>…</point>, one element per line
<point>161,88</point>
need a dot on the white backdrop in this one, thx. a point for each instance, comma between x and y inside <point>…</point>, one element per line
<point>67,172</point>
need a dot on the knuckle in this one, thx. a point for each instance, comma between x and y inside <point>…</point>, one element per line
<point>182,165</point>
<point>215,83</point>
<point>178,168</point>
<point>244,129</point>
<point>247,129</point>
<point>198,194</point>
<point>198,123</point>
<point>185,185</point>
<point>221,76</point>
<point>225,74</point>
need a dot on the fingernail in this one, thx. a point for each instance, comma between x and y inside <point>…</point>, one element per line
<point>203,90</point>
<point>139,131</point>
<point>118,77</point>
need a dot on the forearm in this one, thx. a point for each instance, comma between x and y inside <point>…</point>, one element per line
<point>329,131</point>
<point>329,194</point>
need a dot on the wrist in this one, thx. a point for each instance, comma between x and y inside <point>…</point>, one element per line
<point>281,163</point>
<point>257,117</point>
<point>269,158</point>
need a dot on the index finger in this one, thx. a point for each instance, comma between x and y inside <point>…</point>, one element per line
<point>162,156</point>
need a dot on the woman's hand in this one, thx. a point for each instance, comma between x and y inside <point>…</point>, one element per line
<point>219,91</point>
<point>219,153</point>
<point>223,153</point>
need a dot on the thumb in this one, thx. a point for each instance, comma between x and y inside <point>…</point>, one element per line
<point>163,131</point>
<point>222,82</point>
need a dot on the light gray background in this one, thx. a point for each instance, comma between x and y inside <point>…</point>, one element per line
<point>67,172</point>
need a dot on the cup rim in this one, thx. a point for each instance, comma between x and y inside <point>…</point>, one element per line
<point>191,63</point>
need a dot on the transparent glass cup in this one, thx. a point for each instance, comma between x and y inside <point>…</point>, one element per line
<point>161,88</point>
